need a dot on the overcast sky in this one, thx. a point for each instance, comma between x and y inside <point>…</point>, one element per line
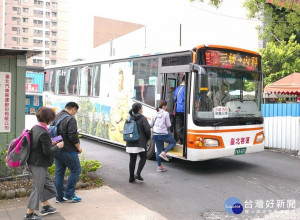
<point>199,16</point>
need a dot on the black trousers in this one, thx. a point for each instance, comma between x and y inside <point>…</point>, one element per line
<point>180,116</point>
<point>132,162</point>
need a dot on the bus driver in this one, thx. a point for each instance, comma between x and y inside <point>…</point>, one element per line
<point>222,96</point>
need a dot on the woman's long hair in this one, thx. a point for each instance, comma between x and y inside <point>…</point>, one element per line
<point>135,109</point>
<point>161,104</point>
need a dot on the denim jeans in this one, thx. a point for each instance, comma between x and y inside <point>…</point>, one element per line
<point>65,160</point>
<point>159,141</point>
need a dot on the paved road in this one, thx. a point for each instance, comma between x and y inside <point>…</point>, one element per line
<point>198,190</point>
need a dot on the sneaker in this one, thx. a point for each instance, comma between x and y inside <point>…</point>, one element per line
<point>60,201</point>
<point>138,177</point>
<point>74,199</point>
<point>163,156</point>
<point>161,169</point>
<point>32,216</point>
<point>131,180</point>
<point>47,210</point>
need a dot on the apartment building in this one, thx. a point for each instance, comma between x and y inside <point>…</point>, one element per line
<point>36,25</point>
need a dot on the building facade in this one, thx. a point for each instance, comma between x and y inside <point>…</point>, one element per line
<point>36,25</point>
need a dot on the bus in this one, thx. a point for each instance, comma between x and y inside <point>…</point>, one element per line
<point>214,126</point>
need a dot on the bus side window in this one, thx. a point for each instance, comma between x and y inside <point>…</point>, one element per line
<point>145,72</point>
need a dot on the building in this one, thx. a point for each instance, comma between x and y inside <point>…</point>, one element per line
<point>36,25</point>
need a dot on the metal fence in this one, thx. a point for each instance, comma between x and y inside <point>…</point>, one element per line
<point>282,125</point>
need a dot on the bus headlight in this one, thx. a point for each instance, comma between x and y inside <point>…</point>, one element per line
<point>260,138</point>
<point>211,142</point>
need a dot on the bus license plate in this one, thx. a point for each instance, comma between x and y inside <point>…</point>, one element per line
<point>239,151</point>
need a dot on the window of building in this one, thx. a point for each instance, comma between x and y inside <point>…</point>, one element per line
<point>37,61</point>
<point>38,12</point>
<point>25,20</point>
<point>15,8</point>
<point>53,52</point>
<point>54,4</point>
<point>25,40</point>
<point>54,14</point>
<point>25,10</point>
<point>46,51</point>
<point>46,61</point>
<point>53,62</point>
<point>47,42</point>
<point>54,33</point>
<point>25,30</point>
<point>25,1</point>
<point>48,4</point>
<point>53,43</point>
<point>15,38</point>
<point>36,41</point>
<point>54,23</point>
<point>14,28</point>
<point>37,31</point>
<point>47,32</point>
<point>47,13</point>
<point>38,21</point>
<point>145,72</point>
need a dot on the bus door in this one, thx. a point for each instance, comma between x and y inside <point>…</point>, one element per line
<point>171,79</point>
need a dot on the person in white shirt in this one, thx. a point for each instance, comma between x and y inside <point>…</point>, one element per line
<point>222,96</point>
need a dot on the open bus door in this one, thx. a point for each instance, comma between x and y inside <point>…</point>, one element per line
<point>171,79</point>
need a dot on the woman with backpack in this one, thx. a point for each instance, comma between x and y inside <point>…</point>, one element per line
<point>139,146</point>
<point>161,124</point>
<point>40,158</point>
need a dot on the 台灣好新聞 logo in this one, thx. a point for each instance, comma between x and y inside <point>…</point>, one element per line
<point>233,206</point>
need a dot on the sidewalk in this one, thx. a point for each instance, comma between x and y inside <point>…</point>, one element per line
<point>100,203</point>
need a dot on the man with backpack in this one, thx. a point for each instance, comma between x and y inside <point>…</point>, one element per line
<point>68,156</point>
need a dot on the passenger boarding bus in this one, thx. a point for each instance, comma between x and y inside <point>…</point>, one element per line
<point>223,87</point>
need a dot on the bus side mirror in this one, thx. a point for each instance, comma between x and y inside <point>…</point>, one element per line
<point>196,68</point>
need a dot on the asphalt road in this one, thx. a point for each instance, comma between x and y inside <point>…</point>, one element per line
<point>198,190</point>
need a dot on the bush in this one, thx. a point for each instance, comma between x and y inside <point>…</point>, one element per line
<point>87,166</point>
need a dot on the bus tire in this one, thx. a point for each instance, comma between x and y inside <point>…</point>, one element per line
<point>151,150</point>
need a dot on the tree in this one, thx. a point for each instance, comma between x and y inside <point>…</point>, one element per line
<point>279,20</point>
<point>280,59</point>
<point>215,3</point>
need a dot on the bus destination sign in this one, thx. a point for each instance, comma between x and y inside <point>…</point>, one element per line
<point>228,59</point>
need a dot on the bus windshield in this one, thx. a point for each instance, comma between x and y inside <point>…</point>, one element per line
<point>223,93</point>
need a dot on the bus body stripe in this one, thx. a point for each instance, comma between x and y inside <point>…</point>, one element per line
<point>225,131</point>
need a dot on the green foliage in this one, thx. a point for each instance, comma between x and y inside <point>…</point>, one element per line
<point>280,60</point>
<point>215,3</point>
<point>278,22</point>
<point>87,166</point>
<point>249,86</point>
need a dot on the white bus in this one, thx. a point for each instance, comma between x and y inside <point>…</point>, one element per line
<point>214,127</point>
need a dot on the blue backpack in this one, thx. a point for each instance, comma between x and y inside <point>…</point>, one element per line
<point>130,131</point>
<point>53,128</point>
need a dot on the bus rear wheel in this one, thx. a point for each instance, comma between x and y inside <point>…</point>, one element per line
<point>151,150</point>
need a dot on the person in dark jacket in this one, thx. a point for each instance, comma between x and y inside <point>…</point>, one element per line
<point>140,146</point>
<point>41,157</point>
<point>68,156</point>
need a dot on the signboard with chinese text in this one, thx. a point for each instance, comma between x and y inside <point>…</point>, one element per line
<point>5,101</point>
<point>231,59</point>
<point>221,112</point>
<point>31,87</point>
<point>36,101</point>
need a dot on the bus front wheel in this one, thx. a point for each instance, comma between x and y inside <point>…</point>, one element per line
<point>151,150</point>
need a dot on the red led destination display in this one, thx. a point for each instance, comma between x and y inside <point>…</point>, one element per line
<point>228,59</point>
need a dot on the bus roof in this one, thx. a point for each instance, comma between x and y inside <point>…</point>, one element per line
<point>108,59</point>
<point>226,47</point>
